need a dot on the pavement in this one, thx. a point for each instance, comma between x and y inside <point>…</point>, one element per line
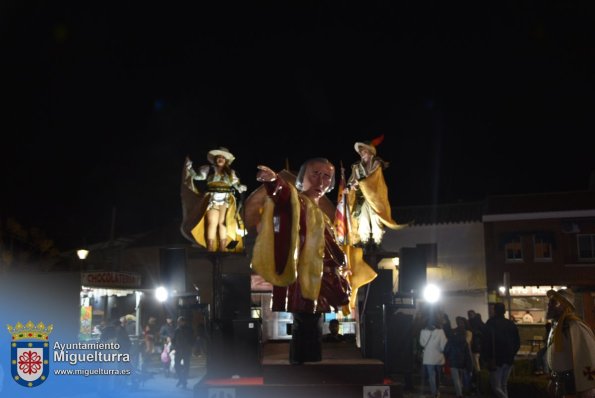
<point>158,384</point>
<point>421,389</point>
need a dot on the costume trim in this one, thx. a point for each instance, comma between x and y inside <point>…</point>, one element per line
<point>375,192</point>
<point>263,257</point>
<point>310,264</point>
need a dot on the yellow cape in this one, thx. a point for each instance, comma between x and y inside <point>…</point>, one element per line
<point>375,192</point>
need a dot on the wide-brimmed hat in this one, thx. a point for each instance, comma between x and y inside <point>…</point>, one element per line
<point>564,296</point>
<point>369,145</point>
<point>220,152</point>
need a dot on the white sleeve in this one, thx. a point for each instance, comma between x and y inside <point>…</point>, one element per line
<point>202,174</point>
<point>235,182</point>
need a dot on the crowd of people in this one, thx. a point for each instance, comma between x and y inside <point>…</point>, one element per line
<point>566,359</point>
<point>174,343</point>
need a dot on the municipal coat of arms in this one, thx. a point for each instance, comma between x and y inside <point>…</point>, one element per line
<point>29,353</point>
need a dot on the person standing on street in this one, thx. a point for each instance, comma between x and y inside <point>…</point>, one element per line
<point>500,343</point>
<point>433,340</point>
<point>182,342</point>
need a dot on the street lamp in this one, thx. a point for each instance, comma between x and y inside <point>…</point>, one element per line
<point>161,294</point>
<point>82,253</point>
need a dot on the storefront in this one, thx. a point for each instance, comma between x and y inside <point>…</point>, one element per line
<point>528,304</point>
<point>528,307</point>
<point>109,295</point>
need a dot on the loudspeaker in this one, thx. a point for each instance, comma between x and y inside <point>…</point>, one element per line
<point>235,296</point>
<point>172,268</point>
<point>412,269</point>
<point>247,346</point>
<point>381,289</point>
<point>400,340</point>
<point>235,348</point>
<point>374,334</point>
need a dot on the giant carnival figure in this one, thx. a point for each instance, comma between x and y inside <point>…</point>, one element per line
<point>368,198</point>
<point>296,252</point>
<point>211,215</point>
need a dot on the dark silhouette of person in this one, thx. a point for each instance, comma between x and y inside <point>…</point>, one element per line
<point>334,336</point>
<point>182,342</point>
<point>499,345</point>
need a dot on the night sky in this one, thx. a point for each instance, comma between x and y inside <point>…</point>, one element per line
<point>102,101</point>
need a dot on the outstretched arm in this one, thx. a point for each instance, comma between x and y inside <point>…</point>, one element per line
<point>276,187</point>
<point>202,172</point>
<point>265,174</point>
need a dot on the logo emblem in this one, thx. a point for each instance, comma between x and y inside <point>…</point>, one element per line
<point>29,353</point>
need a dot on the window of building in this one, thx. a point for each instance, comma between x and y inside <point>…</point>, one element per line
<point>586,247</point>
<point>542,247</point>
<point>513,249</point>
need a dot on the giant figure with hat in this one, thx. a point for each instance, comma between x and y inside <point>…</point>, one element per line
<point>210,215</point>
<point>368,196</point>
<point>571,348</point>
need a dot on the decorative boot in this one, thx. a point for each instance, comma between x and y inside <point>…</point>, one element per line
<point>211,245</point>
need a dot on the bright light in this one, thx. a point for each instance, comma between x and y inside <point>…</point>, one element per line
<point>161,294</point>
<point>82,253</point>
<point>395,261</point>
<point>502,289</point>
<point>431,293</point>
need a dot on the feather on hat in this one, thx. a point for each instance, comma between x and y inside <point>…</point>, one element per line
<point>369,145</point>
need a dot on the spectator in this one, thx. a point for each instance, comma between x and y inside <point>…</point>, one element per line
<point>182,343</point>
<point>334,336</point>
<point>151,335</point>
<point>476,326</point>
<point>458,354</point>
<point>433,340</point>
<point>166,355</point>
<point>167,329</point>
<point>499,345</point>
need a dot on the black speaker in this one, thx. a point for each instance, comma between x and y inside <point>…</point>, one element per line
<point>373,334</point>
<point>247,346</point>
<point>381,289</point>
<point>412,269</point>
<point>172,268</point>
<point>400,340</point>
<point>235,296</point>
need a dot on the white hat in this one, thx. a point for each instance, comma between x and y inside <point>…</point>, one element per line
<point>369,145</point>
<point>564,296</point>
<point>365,145</point>
<point>220,152</point>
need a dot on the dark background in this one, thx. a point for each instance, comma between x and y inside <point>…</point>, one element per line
<point>102,101</point>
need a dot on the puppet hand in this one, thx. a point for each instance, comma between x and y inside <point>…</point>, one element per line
<point>265,174</point>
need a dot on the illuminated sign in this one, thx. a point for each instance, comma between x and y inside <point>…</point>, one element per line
<point>110,279</point>
<point>532,290</point>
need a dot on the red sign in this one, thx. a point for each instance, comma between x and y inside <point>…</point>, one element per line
<point>110,279</point>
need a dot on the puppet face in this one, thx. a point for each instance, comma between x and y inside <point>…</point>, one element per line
<point>317,179</point>
<point>365,154</point>
<point>220,161</point>
<point>554,309</point>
